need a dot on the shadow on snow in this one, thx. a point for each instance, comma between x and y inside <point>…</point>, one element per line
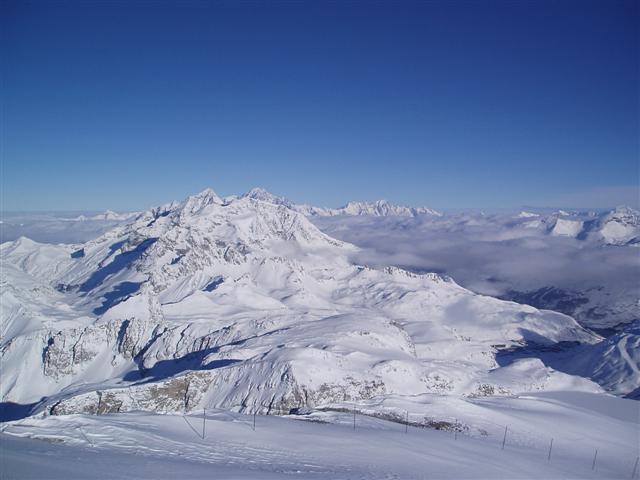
<point>15,411</point>
<point>168,368</point>
<point>119,262</point>
<point>120,292</point>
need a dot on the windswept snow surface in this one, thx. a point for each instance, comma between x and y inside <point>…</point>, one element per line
<point>324,444</point>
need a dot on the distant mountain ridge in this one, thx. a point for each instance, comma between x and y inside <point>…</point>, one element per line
<point>620,226</point>
<point>379,208</point>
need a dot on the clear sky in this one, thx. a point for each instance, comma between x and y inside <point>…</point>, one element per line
<point>128,104</point>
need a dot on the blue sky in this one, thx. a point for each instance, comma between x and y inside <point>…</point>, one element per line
<point>125,105</point>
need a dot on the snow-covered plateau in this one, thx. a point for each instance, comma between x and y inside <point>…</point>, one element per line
<point>241,305</point>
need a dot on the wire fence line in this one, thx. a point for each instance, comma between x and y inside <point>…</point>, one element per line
<point>504,436</point>
<point>510,436</point>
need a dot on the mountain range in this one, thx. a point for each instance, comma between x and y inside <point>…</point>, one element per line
<point>379,208</point>
<point>242,303</point>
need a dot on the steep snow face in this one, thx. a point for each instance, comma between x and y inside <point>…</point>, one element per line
<point>567,228</point>
<point>244,303</point>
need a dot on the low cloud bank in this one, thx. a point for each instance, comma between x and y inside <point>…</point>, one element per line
<point>498,255</point>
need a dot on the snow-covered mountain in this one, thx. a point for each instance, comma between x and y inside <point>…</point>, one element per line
<point>380,208</point>
<point>265,196</point>
<point>243,303</point>
<point>567,228</point>
<point>618,227</point>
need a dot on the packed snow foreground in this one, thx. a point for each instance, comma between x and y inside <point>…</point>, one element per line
<point>242,306</point>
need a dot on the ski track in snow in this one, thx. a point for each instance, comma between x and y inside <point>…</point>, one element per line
<point>622,347</point>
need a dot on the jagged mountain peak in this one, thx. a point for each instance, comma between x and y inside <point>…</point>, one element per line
<point>259,193</point>
<point>192,205</point>
<point>378,208</point>
<point>626,213</point>
<point>195,203</point>
<point>179,248</point>
<point>252,218</point>
<point>382,208</point>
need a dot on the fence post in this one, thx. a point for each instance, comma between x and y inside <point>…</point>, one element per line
<point>254,421</point>
<point>504,439</point>
<point>406,423</point>
<point>455,430</point>
<point>595,455</point>
<point>635,469</point>
<point>85,437</point>
<point>354,417</point>
<point>550,447</point>
<point>204,415</point>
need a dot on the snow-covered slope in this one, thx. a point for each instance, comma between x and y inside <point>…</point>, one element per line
<point>549,435</point>
<point>621,227</point>
<point>614,363</point>
<point>243,303</point>
<point>567,228</point>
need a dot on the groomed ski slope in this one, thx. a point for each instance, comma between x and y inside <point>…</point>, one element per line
<point>325,445</point>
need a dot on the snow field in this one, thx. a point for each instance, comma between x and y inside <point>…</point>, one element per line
<point>324,444</point>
